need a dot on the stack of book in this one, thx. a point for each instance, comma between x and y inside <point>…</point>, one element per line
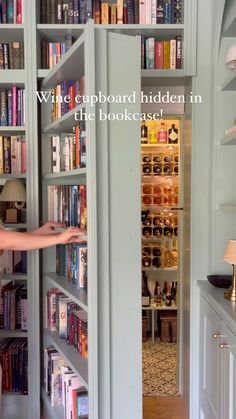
<point>13,261</point>
<point>67,204</point>
<point>12,107</point>
<point>12,56</point>
<point>13,307</point>
<point>71,262</point>
<point>52,52</point>
<point>12,155</point>
<point>11,11</point>
<point>14,361</point>
<point>63,386</point>
<point>66,318</point>
<point>157,54</point>
<point>67,96</point>
<point>119,12</point>
<point>69,150</point>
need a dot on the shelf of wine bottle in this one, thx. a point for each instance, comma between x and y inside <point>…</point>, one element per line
<point>173,268</point>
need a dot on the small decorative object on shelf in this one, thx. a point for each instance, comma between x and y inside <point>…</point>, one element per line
<point>230,257</point>
<point>231,57</point>
<point>15,193</point>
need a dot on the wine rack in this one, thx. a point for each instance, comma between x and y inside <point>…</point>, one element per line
<point>160,193</point>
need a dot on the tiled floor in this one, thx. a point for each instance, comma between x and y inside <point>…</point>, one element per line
<point>164,408</point>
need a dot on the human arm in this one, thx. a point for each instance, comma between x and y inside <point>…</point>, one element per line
<point>14,240</point>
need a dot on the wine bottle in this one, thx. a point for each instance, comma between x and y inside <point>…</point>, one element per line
<point>147,168</point>
<point>145,291</point>
<point>156,262</point>
<point>172,290</point>
<point>144,133</point>
<point>164,291</point>
<point>173,135</point>
<point>174,253</point>
<point>168,259</point>
<point>157,288</point>
<point>168,296</point>
<point>146,262</point>
<point>162,134</point>
<point>152,136</point>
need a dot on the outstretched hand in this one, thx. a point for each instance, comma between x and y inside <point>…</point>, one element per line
<point>48,228</point>
<point>72,235</point>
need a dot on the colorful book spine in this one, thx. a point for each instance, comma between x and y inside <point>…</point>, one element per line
<point>166,54</point>
<point>160,11</point>
<point>120,10</point>
<point>159,55</point>
<point>178,52</point>
<point>172,54</point>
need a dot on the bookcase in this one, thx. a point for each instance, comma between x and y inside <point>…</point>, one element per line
<point>13,405</point>
<point>100,176</point>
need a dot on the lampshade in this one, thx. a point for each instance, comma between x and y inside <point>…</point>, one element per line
<point>230,252</point>
<point>231,57</point>
<point>13,191</point>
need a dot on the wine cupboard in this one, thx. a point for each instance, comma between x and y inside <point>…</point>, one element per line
<point>160,219</point>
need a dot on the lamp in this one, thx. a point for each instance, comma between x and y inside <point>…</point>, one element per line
<point>230,257</point>
<point>14,192</point>
<point>231,57</point>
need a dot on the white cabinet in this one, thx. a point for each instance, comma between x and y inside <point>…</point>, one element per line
<point>210,362</point>
<point>217,363</point>
<point>229,374</point>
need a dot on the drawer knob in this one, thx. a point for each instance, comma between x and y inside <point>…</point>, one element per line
<point>217,335</point>
<point>223,345</point>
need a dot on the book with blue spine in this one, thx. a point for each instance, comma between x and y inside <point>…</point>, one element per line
<point>167,12</point>
<point>10,11</point>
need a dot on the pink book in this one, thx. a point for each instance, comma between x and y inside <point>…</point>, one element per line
<point>159,55</point>
<point>142,12</point>
<point>19,12</point>
<point>148,12</point>
<point>14,108</point>
<point>23,155</point>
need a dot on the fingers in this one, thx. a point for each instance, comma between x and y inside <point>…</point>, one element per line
<point>54,224</point>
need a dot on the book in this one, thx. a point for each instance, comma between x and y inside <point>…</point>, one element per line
<point>172,54</point>
<point>159,54</point>
<point>166,54</point>
<point>120,6</point>
<point>160,11</point>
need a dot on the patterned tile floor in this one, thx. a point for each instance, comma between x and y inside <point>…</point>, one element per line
<point>159,369</point>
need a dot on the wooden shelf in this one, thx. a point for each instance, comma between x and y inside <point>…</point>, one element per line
<point>229,139</point>
<point>159,269</point>
<point>64,123</point>
<point>12,130</point>
<point>13,176</point>
<point>56,412</point>
<point>70,67</point>
<point>228,207</point>
<point>13,334</point>
<point>57,32</point>
<point>229,30</point>
<point>13,277</point>
<point>11,32</point>
<point>162,30</point>
<point>230,84</point>
<point>163,77</point>
<point>155,307</point>
<point>64,285</point>
<point>73,174</point>
<point>14,405</point>
<point>7,77</point>
<point>78,364</point>
<point>15,226</point>
<point>157,240</point>
<point>42,73</point>
<point>151,146</point>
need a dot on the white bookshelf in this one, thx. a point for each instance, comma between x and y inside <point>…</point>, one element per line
<point>65,123</point>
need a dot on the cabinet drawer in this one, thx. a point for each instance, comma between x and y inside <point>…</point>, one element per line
<point>211,361</point>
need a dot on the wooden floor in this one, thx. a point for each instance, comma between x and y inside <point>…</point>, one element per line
<point>164,408</point>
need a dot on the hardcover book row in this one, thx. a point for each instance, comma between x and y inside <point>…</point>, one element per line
<point>13,307</point>
<point>12,107</point>
<point>69,151</point>
<point>118,12</point>
<point>11,11</point>
<point>12,56</point>
<point>67,204</point>
<point>161,54</point>
<point>52,52</point>
<point>66,318</point>
<point>63,386</point>
<point>12,155</point>
<point>14,361</point>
